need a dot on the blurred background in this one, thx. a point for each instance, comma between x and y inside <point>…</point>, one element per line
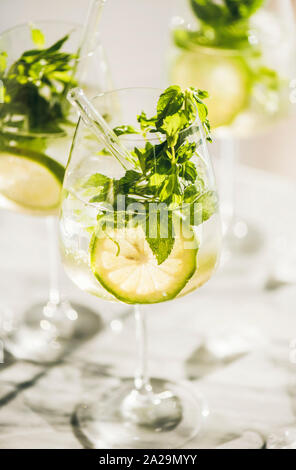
<point>135,35</point>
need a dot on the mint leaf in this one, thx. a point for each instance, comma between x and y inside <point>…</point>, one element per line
<point>209,204</point>
<point>122,130</point>
<point>37,37</point>
<point>161,247</point>
<point>96,180</point>
<point>190,171</point>
<point>186,152</point>
<point>147,156</point>
<point>198,208</point>
<point>156,179</point>
<point>141,155</point>
<point>3,61</point>
<point>169,187</point>
<point>191,193</point>
<point>243,9</point>
<point>210,12</point>
<point>170,102</point>
<point>145,122</point>
<point>226,12</point>
<point>128,181</point>
<point>171,125</point>
<point>162,240</point>
<point>196,96</point>
<point>100,187</point>
<point>2,93</point>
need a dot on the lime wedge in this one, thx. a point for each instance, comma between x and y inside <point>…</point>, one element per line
<point>226,78</point>
<point>125,265</point>
<point>30,179</point>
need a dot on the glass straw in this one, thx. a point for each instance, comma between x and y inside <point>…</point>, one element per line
<point>97,124</point>
<point>89,35</point>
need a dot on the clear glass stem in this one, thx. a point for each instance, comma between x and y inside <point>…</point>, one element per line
<point>142,381</point>
<point>150,408</point>
<point>54,291</point>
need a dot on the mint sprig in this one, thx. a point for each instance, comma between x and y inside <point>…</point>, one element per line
<point>226,12</point>
<point>226,25</point>
<point>165,172</point>
<point>34,89</point>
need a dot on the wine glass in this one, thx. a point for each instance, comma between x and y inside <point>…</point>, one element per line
<point>107,251</point>
<point>243,53</point>
<point>36,130</point>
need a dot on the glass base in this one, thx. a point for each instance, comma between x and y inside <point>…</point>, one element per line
<point>243,238</point>
<point>283,439</point>
<point>123,418</point>
<point>49,331</point>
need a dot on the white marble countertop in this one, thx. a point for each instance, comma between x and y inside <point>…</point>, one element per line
<point>251,386</point>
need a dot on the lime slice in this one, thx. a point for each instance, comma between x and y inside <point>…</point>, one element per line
<point>125,265</point>
<point>206,266</point>
<point>30,179</point>
<point>226,78</point>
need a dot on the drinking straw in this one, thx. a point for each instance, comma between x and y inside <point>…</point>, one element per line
<point>97,124</point>
<point>89,35</point>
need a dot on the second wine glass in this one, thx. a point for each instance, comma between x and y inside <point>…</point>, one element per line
<point>244,55</point>
<point>39,64</point>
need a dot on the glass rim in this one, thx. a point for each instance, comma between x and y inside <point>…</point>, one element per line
<point>214,50</point>
<point>38,22</point>
<point>152,136</point>
<point>75,27</point>
<point>100,206</point>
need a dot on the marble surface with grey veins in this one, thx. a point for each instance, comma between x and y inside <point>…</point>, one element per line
<point>234,341</point>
